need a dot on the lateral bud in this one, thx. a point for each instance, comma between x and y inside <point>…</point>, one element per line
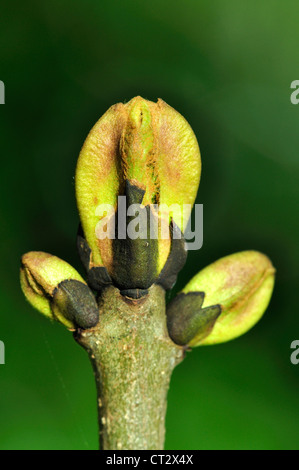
<point>242,285</point>
<point>57,290</point>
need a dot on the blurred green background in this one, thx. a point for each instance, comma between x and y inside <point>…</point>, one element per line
<point>227,67</point>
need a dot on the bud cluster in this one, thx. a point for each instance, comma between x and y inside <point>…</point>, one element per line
<point>145,155</point>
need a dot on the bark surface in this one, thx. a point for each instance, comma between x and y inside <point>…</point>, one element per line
<point>133,359</point>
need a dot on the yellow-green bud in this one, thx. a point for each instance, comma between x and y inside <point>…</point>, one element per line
<point>242,285</point>
<point>139,148</point>
<point>57,290</point>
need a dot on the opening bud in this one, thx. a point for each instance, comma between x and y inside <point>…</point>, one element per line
<point>242,285</point>
<point>57,290</point>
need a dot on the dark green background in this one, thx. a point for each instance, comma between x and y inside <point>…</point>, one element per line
<point>227,67</point>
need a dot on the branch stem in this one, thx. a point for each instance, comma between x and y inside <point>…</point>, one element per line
<point>133,359</point>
